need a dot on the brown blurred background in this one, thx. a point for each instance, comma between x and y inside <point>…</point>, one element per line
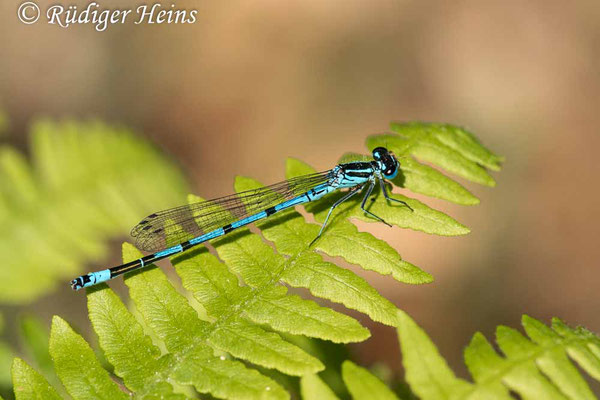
<point>252,83</point>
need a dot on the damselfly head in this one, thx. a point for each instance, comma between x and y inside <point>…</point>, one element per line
<point>387,161</point>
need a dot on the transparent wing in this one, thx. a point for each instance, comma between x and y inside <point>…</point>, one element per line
<point>170,227</point>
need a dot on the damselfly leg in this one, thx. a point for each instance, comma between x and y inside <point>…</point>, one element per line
<point>350,193</point>
<point>387,196</point>
<point>362,205</point>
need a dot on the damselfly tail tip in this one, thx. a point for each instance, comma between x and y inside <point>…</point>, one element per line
<point>77,283</point>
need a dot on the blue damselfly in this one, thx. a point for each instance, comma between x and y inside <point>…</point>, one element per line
<point>176,230</point>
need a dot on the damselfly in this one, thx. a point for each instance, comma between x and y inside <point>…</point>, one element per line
<point>173,231</point>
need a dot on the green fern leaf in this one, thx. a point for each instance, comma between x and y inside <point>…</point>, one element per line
<point>34,339</point>
<point>537,367</point>
<point>449,147</point>
<point>29,384</point>
<point>247,341</point>
<point>426,371</point>
<point>71,198</point>
<point>174,345</point>
<point>82,376</point>
<point>313,388</point>
<point>132,354</point>
<point>295,315</point>
<point>423,218</point>
<point>189,359</point>
<point>421,178</point>
<point>176,323</point>
<point>217,290</point>
<point>362,385</point>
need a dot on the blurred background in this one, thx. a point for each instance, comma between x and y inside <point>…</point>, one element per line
<point>251,83</point>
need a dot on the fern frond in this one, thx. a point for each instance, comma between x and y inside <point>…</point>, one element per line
<point>313,388</point>
<point>29,384</point>
<point>240,305</point>
<point>341,237</point>
<point>534,367</point>
<point>539,366</point>
<point>34,343</point>
<point>86,182</point>
<point>361,384</point>
<point>83,376</point>
<point>190,359</point>
<point>449,147</point>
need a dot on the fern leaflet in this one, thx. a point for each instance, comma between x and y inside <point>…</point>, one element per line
<point>361,384</point>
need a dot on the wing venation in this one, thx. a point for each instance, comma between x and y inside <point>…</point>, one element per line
<point>176,225</point>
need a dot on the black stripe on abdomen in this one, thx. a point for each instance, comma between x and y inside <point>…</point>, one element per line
<point>186,245</point>
<point>270,211</point>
